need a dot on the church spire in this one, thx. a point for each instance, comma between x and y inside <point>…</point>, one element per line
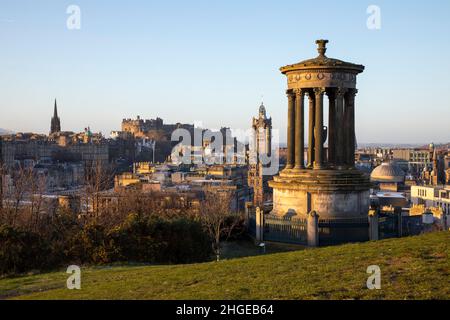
<point>55,111</point>
<point>55,125</point>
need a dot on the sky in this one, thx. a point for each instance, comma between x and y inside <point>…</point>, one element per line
<point>213,62</point>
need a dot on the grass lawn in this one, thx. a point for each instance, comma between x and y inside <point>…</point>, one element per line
<point>411,268</point>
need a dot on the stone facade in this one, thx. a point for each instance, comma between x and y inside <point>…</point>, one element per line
<point>139,125</point>
<point>152,128</point>
<point>432,197</point>
<point>262,132</point>
<point>14,150</point>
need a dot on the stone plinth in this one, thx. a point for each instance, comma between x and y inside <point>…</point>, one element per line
<point>330,186</point>
<point>332,194</point>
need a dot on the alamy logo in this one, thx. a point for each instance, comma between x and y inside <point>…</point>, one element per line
<point>374,280</point>
<point>74,20</point>
<point>219,147</point>
<point>374,19</point>
<point>74,281</point>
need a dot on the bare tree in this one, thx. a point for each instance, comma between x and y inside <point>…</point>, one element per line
<point>217,217</point>
<point>98,178</point>
<point>20,199</point>
<point>37,188</point>
<point>16,196</point>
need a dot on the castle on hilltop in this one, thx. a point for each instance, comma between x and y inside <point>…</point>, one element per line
<point>152,128</point>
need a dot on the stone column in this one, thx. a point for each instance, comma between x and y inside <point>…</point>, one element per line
<point>350,126</point>
<point>332,127</point>
<point>312,229</point>
<point>291,130</point>
<point>312,120</point>
<point>318,132</point>
<point>340,127</point>
<point>373,225</point>
<point>259,236</point>
<point>299,129</point>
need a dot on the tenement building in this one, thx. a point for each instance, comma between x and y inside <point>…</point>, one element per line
<point>59,147</point>
<point>327,182</point>
<point>433,197</point>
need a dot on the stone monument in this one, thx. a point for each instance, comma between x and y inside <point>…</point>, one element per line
<point>328,182</point>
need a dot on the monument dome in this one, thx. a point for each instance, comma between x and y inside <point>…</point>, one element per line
<point>388,172</point>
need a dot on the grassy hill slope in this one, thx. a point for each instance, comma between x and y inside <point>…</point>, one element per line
<point>412,268</point>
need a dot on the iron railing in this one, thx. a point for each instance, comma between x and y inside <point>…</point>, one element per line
<point>285,229</point>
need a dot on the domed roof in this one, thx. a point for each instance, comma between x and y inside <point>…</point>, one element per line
<point>388,172</point>
<point>323,62</point>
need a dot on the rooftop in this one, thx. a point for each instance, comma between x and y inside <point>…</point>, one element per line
<point>323,62</point>
<point>388,172</point>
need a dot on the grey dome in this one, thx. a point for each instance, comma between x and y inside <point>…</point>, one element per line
<point>388,172</point>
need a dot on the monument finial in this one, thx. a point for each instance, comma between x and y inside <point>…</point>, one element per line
<point>322,47</point>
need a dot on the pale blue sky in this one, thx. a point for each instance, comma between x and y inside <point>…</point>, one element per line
<point>211,61</point>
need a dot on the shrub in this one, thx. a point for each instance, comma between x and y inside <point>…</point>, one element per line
<point>21,251</point>
<point>185,241</point>
<point>88,246</point>
<point>65,241</point>
<point>132,241</point>
<point>157,240</point>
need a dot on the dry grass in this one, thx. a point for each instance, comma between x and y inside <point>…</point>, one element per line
<point>412,268</point>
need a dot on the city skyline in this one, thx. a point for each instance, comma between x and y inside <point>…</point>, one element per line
<point>238,153</point>
<point>229,52</point>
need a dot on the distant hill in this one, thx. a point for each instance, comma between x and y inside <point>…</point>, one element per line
<point>439,146</point>
<point>411,268</point>
<point>387,145</point>
<point>5,132</point>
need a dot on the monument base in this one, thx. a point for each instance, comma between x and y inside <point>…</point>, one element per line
<point>332,194</point>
